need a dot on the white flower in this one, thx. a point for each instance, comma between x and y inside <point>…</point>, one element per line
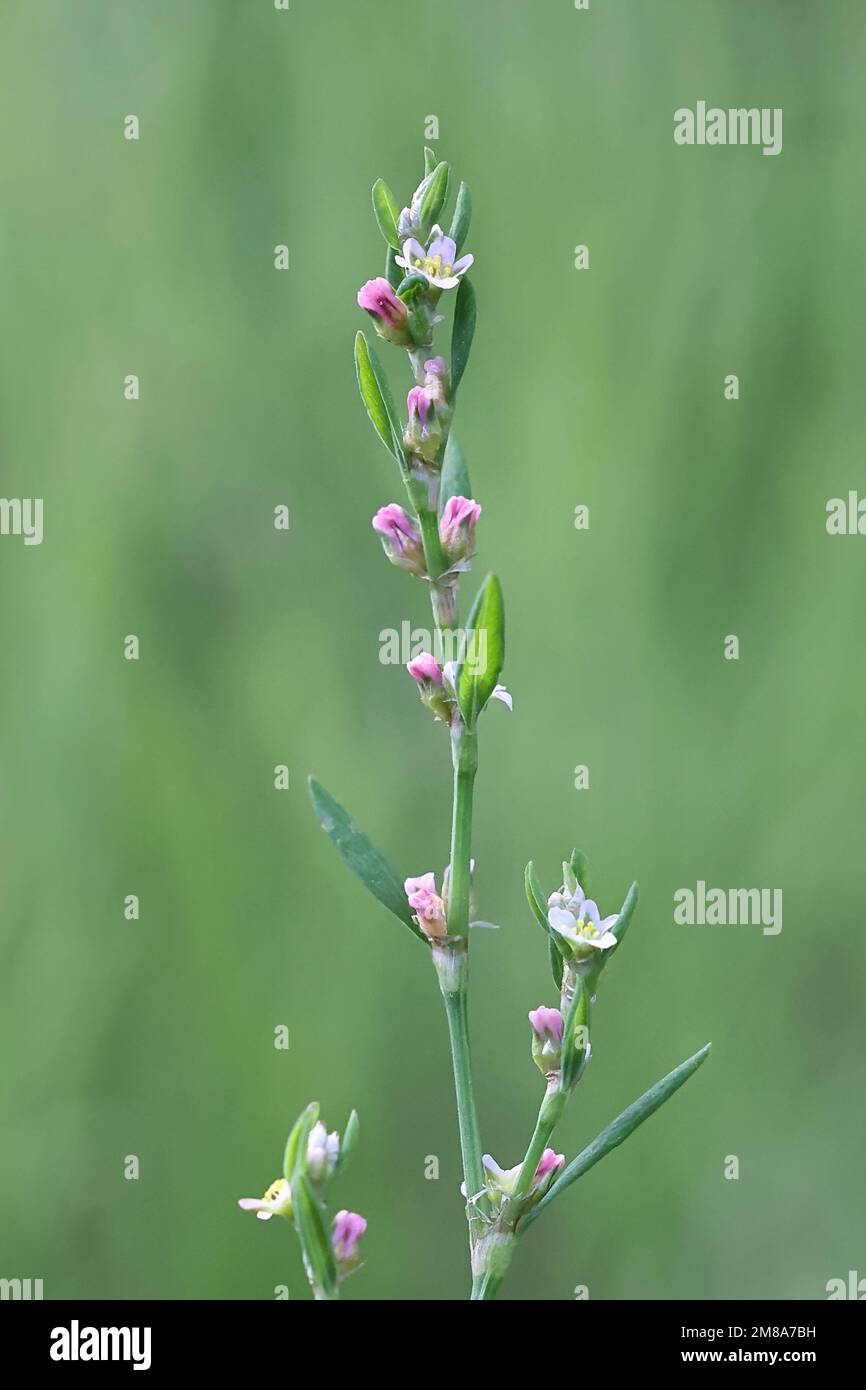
<point>438,264</point>
<point>575,917</point>
<point>277,1201</point>
<point>323,1150</point>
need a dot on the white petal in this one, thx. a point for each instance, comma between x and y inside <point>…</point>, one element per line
<point>500,693</point>
<point>460,267</point>
<point>562,921</point>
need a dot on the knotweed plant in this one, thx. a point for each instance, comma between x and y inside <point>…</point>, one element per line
<point>431,535</point>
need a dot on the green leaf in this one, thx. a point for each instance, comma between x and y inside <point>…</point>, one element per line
<point>393,271</point>
<point>462,331</point>
<point>411,286</point>
<point>295,1156</point>
<point>455,474</point>
<point>314,1235</point>
<point>433,199</point>
<point>535,896</point>
<point>386,212</point>
<point>376,395</point>
<point>576,1017</point>
<point>348,1142</point>
<point>362,856</point>
<point>462,217</point>
<point>430,160</point>
<point>485,650</point>
<point>557,961</point>
<point>620,927</point>
<point>579,865</point>
<point>624,1125</point>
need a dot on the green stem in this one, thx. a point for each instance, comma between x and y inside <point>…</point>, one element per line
<point>464,756</point>
<point>451,959</point>
<point>548,1117</point>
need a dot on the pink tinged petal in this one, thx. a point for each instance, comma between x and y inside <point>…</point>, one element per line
<point>425,668</point>
<point>412,251</point>
<point>547,1023</point>
<point>393,523</point>
<point>550,1161</point>
<point>436,366</point>
<point>442,246</point>
<point>607,922</point>
<point>378,297</point>
<point>418,403</point>
<point>347,1231</point>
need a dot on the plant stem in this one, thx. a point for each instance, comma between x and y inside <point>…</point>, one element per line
<point>548,1117</point>
<point>464,756</point>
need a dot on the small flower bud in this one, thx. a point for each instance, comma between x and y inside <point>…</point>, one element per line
<point>387,310</point>
<point>457,528</point>
<point>429,412</point>
<point>400,539</point>
<point>323,1150</point>
<point>546,1039</point>
<point>549,1165</point>
<point>425,669</point>
<point>347,1229</point>
<point>429,907</point>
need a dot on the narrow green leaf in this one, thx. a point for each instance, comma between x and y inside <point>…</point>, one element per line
<point>393,271</point>
<point>362,856</point>
<point>386,212</point>
<point>576,1017</point>
<point>557,961</point>
<point>485,650</point>
<point>376,395</point>
<point>455,474</point>
<point>295,1155</point>
<point>314,1235</point>
<point>430,160</point>
<point>535,896</point>
<point>462,331</point>
<point>462,217</point>
<point>580,868</point>
<point>348,1142</point>
<point>434,198</point>
<point>624,1125</point>
<point>620,927</point>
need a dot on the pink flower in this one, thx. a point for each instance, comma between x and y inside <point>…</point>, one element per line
<point>438,262</point>
<point>400,540</point>
<point>379,299</point>
<point>347,1230</point>
<point>549,1164</point>
<point>547,1024</point>
<point>457,527</point>
<point>418,403</point>
<point>429,907</point>
<point>426,668</point>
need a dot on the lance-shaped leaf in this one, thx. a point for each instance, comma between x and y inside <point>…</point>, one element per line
<point>624,1125</point>
<point>462,217</point>
<point>314,1235</point>
<point>574,1043</point>
<point>376,395</point>
<point>579,865</point>
<point>362,856</point>
<point>348,1142</point>
<point>386,212</point>
<point>620,926</point>
<point>433,199</point>
<point>455,474</point>
<point>393,271</point>
<point>462,331</point>
<point>295,1156</point>
<point>485,650</point>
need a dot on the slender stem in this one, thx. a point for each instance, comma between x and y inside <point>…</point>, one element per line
<point>548,1117</point>
<point>470,1138</point>
<point>433,552</point>
<point>464,754</point>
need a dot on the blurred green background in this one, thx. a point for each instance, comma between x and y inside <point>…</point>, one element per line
<point>603,387</point>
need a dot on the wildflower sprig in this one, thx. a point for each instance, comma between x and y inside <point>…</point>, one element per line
<point>433,538</point>
<point>312,1158</point>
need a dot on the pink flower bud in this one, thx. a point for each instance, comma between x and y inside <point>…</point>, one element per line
<point>347,1230</point>
<point>426,668</point>
<point>401,541</point>
<point>549,1164</point>
<point>379,299</point>
<point>547,1024</point>
<point>429,907</point>
<point>418,404</point>
<point>457,527</point>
